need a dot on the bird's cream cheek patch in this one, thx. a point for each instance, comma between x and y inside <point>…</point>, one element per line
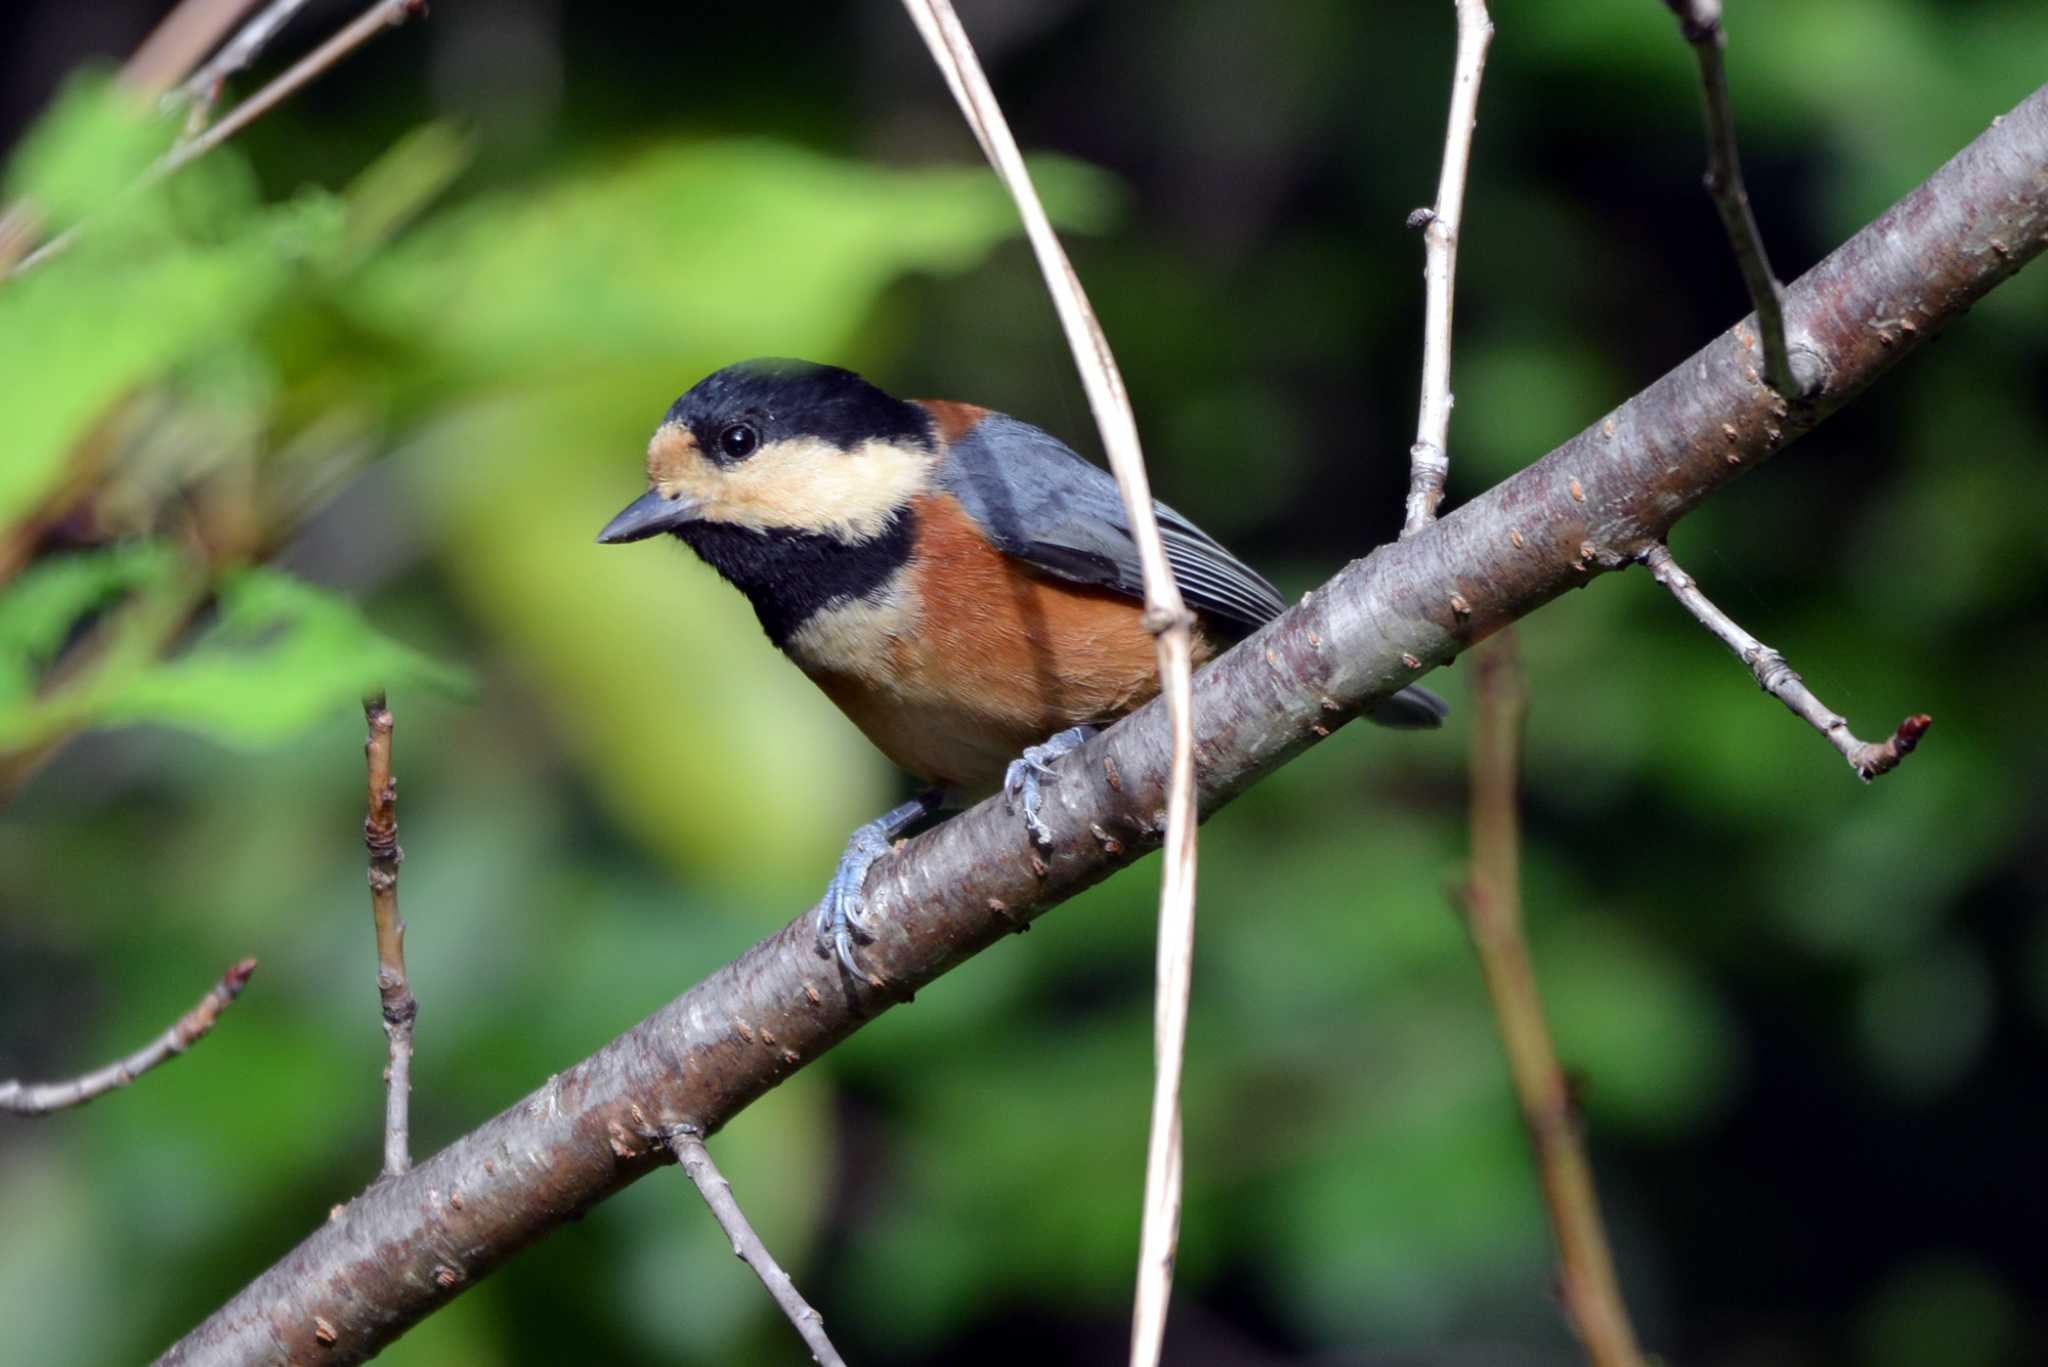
<point>805,484</point>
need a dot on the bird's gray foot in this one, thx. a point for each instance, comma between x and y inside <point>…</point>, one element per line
<point>842,914</point>
<point>1026,776</point>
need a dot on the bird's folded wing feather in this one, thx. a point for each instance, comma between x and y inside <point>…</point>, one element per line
<point>1042,503</point>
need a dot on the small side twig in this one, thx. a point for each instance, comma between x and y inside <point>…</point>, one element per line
<point>1429,459</point>
<point>380,836</point>
<point>1166,617</point>
<point>42,1098</point>
<point>1700,22</point>
<point>695,1159</point>
<point>365,26</point>
<point>1777,678</point>
<point>203,87</point>
<point>1493,913</point>
<point>384,15</point>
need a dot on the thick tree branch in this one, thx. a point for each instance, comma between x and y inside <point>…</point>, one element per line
<point>1592,505</point>
<point>41,1098</point>
<point>1777,678</point>
<point>695,1159</point>
<point>1429,459</point>
<point>1700,22</point>
<point>394,989</point>
<point>1589,1288</point>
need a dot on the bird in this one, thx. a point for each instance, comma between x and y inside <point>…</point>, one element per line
<point>963,585</point>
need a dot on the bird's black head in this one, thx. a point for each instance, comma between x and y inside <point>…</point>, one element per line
<point>736,411</point>
<point>776,445</point>
<point>795,481</point>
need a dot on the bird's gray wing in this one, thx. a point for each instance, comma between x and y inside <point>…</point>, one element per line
<point>1044,504</point>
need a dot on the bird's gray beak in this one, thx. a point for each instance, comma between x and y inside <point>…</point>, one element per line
<point>648,515</point>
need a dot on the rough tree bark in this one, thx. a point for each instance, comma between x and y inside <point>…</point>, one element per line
<point>412,1243</point>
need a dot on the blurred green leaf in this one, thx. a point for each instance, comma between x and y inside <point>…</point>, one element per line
<point>92,145</point>
<point>715,251</point>
<point>113,313</point>
<point>400,184</point>
<point>283,654</point>
<point>40,608</point>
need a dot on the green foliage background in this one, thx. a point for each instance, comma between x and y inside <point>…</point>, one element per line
<point>346,402</point>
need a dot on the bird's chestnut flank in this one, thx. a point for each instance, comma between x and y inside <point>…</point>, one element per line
<point>964,586</point>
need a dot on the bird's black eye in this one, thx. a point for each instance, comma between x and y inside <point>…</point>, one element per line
<point>736,441</point>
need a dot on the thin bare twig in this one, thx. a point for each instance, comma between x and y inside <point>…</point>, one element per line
<point>365,26</point>
<point>203,87</point>
<point>1781,681</point>
<point>41,1098</point>
<point>380,836</point>
<point>1493,914</point>
<point>688,1147</point>
<point>1700,22</point>
<point>386,14</point>
<point>1166,616</point>
<point>1429,460</point>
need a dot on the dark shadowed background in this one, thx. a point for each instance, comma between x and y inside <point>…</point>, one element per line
<point>1808,1017</point>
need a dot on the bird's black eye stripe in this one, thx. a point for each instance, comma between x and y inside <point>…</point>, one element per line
<point>737,440</point>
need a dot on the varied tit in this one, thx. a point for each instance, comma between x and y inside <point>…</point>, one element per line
<point>960,583</point>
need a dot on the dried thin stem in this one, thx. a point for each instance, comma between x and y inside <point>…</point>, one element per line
<point>1700,22</point>
<point>380,836</point>
<point>203,87</point>
<point>365,26</point>
<point>41,1098</point>
<point>1429,460</point>
<point>1165,615</point>
<point>1493,913</point>
<point>175,46</point>
<point>19,224</point>
<point>688,1147</point>
<point>1781,681</point>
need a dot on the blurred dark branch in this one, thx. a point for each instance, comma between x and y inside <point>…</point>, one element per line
<point>1493,914</point>
<point>380,836</point>
<point>41,1098</point>
<point>175,46</point>
<point>1429,459</point>
<point>695,1161</point>
<point>365,26</point>
<point>1700,22</point>
<point>1777,678</point>
<point>1595,504</point>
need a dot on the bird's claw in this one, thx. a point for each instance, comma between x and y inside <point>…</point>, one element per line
<point>843,912</point>
<point>842,915</point>
<point>1023,781</point>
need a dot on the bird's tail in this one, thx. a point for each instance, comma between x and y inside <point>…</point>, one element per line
<point>1412,709</point>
